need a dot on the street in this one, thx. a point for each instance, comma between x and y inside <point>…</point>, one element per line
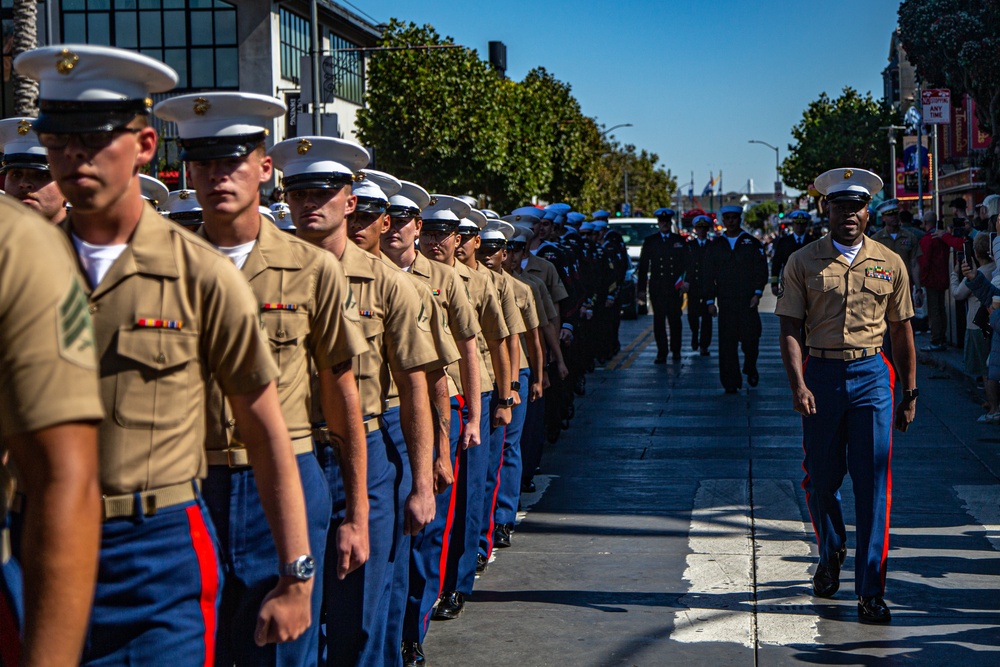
<point>669,527</point>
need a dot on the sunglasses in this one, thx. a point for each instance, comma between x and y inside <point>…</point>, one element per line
<point>92,140</point>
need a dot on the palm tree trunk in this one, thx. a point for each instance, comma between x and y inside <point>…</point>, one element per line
<point>25,39</point>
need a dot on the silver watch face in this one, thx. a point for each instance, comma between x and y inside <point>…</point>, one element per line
<point>303,568</point>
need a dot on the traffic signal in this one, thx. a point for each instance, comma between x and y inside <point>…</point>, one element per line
<point>781,211</point>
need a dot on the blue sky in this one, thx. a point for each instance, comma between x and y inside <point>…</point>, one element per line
<point>696,79</point>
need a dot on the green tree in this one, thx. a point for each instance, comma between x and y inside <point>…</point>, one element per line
<point>649,187</point>
<point>757,216</point>
<point>955,44</point>
<point>840,132</point>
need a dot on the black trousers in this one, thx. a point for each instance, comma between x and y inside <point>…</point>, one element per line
<point>667,308</point>
<point>739,326</point>
<point>700,322</point>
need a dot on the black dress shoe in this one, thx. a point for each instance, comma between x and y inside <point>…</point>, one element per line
<point>528,487</point>
<point>660,359</point>
<point>753,379</point>
<point>873,610</point>
<point>482,562</point>
<point>413,654</point>
<point>677,356</point>
<point>826,581</point>
<point>732,390</point>
<point>501,535</point>
<point>704,352</point>
<point>450,605</point>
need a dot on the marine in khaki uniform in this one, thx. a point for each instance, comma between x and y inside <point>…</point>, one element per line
<point>467,253</point>
<point>901,240</point>
<point>459,576</point>
<point>397,344</point>
<point>408,442</point>
<point>168,313</point>
<point>49,406</point>
<point>25,167</point>
<point>527,357</point>
<point>846,289</point>
<point>300,292</point>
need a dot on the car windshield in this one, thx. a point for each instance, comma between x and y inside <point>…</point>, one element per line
<point>633,233</point>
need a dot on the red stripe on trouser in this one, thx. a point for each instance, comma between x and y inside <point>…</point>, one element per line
<point>888,469</point>
<point>443,565</point>
<point>805,481</point>
<point>493,505</point>
<point>10,636</point>
<point>208,565</point>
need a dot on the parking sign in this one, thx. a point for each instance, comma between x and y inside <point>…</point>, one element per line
<point>937,106</point>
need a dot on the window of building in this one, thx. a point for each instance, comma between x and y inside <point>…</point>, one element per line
<point>296,41</point>
<point>196,37</point>
<point>348,70</point>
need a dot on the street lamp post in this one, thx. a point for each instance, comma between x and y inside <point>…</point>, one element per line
<point>777,167</point>
<point>614,127</point>
<point>892,130</point>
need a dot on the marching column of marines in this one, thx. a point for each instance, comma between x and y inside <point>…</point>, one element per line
<point>295,435</point>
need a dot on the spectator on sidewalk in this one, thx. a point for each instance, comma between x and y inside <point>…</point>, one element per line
<point>977,347</point>
<point>933,263</point>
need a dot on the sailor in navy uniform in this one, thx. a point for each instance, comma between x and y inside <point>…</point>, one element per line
<point>662,262</point>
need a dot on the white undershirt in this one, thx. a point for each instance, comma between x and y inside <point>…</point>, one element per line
<point>97,259</point>
<point>238,253</point>
<point>893,236</point>
<point>524,263</point>
<point>732,241</point>
<point>850,252</point>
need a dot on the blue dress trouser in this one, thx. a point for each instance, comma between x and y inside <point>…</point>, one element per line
<point>470,488</point>
<point>510,477</point>
<point>851,432</point>
<point>532,439</point>
<point>250,561</point>
<point>399,458</point>
<point>11,613</point>
<point>491,487</point>
<point>429,547</point>
<point>356,607</point>
<point>158,589</point>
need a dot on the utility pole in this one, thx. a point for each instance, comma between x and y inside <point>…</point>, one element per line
<point>920,159</point>
<point>934,176</point>
<point>891,130</point>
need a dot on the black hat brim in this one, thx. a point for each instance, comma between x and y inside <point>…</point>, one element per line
<point>78,122</point>
<point>315,182</point>
<point>24,161</point>
<point>219,148</point>
<point>439,226</point>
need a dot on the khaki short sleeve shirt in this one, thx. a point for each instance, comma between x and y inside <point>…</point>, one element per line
<point>170,314</point>
<point>487,304</point>
<point>549,275</point>
<point>845,306</point>
<point>525,302</point>
<point>48,364</point>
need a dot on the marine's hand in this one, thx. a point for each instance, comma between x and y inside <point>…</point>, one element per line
<point>803,401</point>
<point>352,546</point>
<point>755,301</point>
<point>444,475</point>
<point>535,390</point>
<point>470,435</point>
<point>420,509</point>
<point>285,613</point>
<point>774,289</point>
<point>905,412</point>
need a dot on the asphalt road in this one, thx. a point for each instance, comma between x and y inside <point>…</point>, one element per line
<point>669,528</point>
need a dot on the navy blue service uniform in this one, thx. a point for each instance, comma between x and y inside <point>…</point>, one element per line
<point>735,273</point>
<point>699,318</point>
<point>662,262</point>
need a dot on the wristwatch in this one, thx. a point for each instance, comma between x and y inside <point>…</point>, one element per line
<point>515,385</point>
<point>507,402</point>
<point>302,568</point>
<point>910,394</point>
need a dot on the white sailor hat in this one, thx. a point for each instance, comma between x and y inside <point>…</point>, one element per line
<point>409,201</point>
<point>664,212</point>
<point>490,214</point>
<point>738,210</point>
<point>266,212</point>
<point>86,88</point>
<point>529,215</point>
<point>318,162</point>
<point>472,223</point>
<point>182,202</point>
<point>20,146</point>
<point>213,126</point>
<point>282,213</point>
<point>798,215</point>
<point>888,206</point>
<point>600,214</point>
<point>554,216</point>
<point>702,220</point>
<point>373,189</point>
<point>496,233</point>
<point>587,227</point>
<point>599,224</point>
<point>443,213</point>
<point>154,191</point>
<point>470,200</point>
<point>848,183</point>
<point>574,218</point>
<point>522,235</point>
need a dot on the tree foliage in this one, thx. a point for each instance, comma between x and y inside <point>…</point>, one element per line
<point>841,132</point>
<point>445,119</point>
<point>955,44</point>
<point>758,215</point>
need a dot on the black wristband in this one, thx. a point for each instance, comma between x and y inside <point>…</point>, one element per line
<point>515,385</point>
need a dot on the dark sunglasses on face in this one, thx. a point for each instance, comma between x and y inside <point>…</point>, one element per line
<point>93,140</point>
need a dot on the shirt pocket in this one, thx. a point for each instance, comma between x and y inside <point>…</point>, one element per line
<point>286,333</point>
<point>876,293</point>
<point>155,375</point>
<point>823,283</point>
